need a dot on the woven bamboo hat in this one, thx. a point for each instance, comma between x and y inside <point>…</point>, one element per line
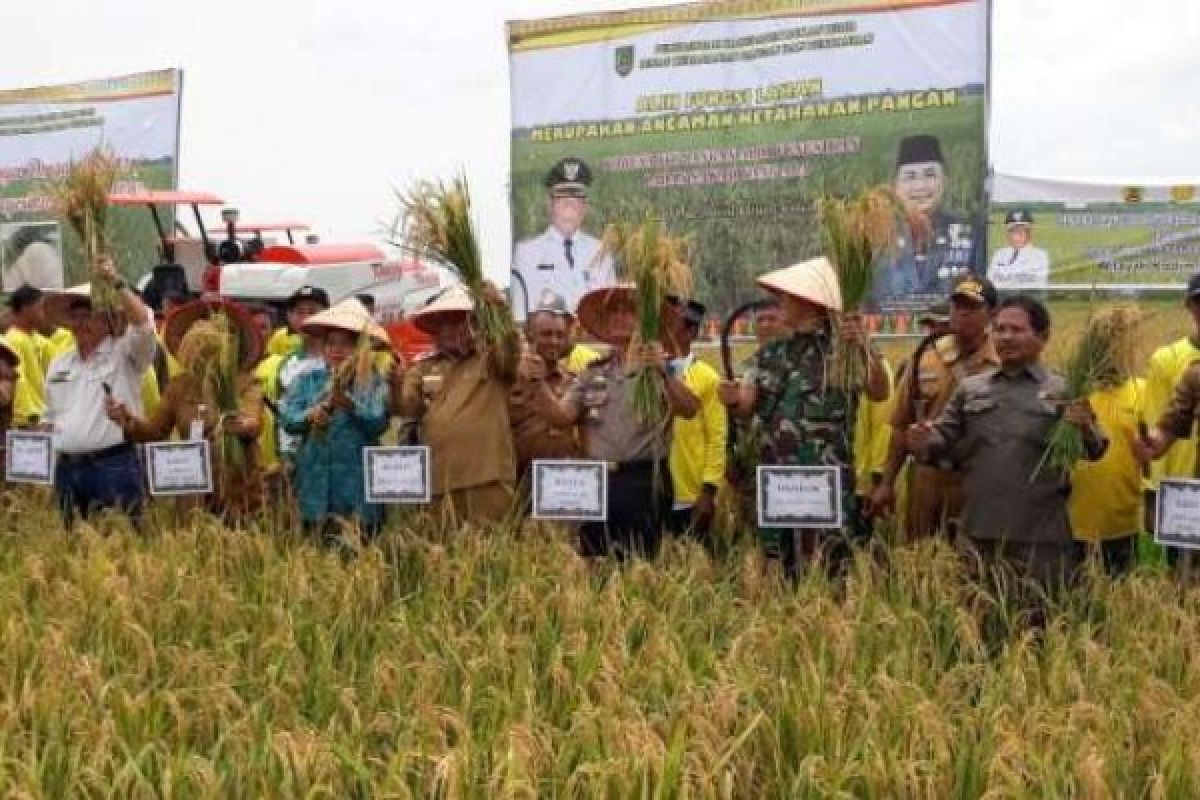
<point>182,318</point>
<point>813,280</point>
<point>348,315</point>
<point>451,305</point>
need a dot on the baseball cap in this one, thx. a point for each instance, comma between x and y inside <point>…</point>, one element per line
<point>550,302</point>
<point>1018,216</point>
<point>977,290</point>
<point>570,177</point>
<point>1193,286</point>
<point>313,293</point>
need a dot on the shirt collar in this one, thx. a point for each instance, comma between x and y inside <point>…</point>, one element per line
<point>1035,372</point>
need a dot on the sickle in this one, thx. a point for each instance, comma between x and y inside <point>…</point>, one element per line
<point>727,331</point>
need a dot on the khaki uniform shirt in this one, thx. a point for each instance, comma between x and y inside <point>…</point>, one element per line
<point>996,425</point>
<point>603,400</point>
<point>464,420</point>
<point>941,369</point>
<point>533,435</point>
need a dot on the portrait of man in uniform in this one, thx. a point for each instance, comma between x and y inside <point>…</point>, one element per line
<point>936,253</point>
<point>1020,265</point>
<point>564,260</point>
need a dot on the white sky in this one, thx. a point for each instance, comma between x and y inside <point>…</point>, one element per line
<point>316,109</point>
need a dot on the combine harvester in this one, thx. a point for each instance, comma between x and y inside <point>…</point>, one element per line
<point>246,267</point>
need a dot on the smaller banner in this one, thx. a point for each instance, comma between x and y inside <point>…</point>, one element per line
<point>1060,235</point>
<point>43,130</point>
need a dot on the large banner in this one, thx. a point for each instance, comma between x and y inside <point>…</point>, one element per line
<point>44,129</point>
<point>1058,235</point>
<point>729,119</point>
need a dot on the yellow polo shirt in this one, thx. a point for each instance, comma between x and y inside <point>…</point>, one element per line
<point>578,359</point>
<point>267,374</point>
<point>29,395</point>
<point>872,435</point>
<point>697,452</point>
<point>1106,495</point>
<point>1163,372</point>
<point>282,342</point>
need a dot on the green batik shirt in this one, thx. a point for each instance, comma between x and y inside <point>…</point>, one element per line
<point>802,422</point>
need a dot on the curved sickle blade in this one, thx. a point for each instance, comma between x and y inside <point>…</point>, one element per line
<point>727,331</point>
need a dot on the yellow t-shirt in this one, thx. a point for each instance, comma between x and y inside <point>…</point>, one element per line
<point>579,358</point>
<point>29,395</point>
<point>698,445</point>
<point>282,342</point>
<point>1163,372</point>
<point>1106,495</point>
<point>267,374</point>
<point>872,434</point>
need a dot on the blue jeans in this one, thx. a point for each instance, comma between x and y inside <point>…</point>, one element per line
<point>111,481</point>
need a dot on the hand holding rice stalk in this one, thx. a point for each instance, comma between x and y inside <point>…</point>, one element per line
<point>1104,357</point>
<point>657,265</point>
<point>436,224</point>
<point>210,353</point>
<point>857,233</point>
<point>82,199</point>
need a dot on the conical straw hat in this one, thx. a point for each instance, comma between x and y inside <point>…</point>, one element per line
<point>450,304</point>
<point>348,315</point>
<point>813,280</point>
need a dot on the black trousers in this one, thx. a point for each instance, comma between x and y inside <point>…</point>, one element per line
<point>639,500</point>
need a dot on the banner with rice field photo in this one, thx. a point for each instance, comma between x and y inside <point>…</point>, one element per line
<point>43,130</point>
<point>729,120</point>
<point>1059,235</point>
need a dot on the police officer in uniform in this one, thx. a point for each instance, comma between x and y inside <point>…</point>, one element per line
<point>563,260</point>
<point>932,258</point>
<point>1021,264</point>
<point>935,497</point>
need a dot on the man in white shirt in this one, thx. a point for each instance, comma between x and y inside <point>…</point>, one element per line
<point>97,468</point>
<point>1021,265</point>
<point>564,260</point>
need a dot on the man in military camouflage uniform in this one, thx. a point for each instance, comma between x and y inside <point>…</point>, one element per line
<point>804,421</point>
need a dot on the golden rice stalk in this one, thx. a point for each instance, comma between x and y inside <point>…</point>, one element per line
<point>82,200</point>
<point>436,223</point>
<point>857,232</point>
<point>658,265</point>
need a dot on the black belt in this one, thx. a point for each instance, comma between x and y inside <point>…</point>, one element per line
<point>645,464</point>
<point>95,455</point>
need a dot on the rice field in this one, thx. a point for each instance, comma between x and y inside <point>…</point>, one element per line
<point>190,661</point>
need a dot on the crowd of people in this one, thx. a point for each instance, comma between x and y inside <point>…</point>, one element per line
<point>946,443</point>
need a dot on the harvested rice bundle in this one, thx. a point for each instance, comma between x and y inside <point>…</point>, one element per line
<point>82,200</point>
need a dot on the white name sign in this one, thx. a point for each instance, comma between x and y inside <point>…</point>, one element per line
<point>799,497</point>
<point>29,457</point>
<point>570,490</point>
<point>396,474</point>
<point>177,468</point>
<point>1177,518</point>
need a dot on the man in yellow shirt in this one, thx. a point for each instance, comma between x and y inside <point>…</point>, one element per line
<point>28,307</point>
<point>1106,495</point>
<point>1164,371</point>
<point>872,436</point>
<point>697,457</point>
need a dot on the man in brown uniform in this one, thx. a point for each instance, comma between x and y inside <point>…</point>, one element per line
<point>936,495</point>
<point>459,396</point>
<point>549,332</point>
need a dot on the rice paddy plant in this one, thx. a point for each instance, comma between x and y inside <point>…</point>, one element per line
<point>82,200</point>
<point>195,661</point>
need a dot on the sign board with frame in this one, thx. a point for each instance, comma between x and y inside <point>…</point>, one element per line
<point>179,468</point>
<point>1177,514</point>
<point>29,457</point>
<point>570,490</point>
<point>397,474</point>
<point>799,497</point>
